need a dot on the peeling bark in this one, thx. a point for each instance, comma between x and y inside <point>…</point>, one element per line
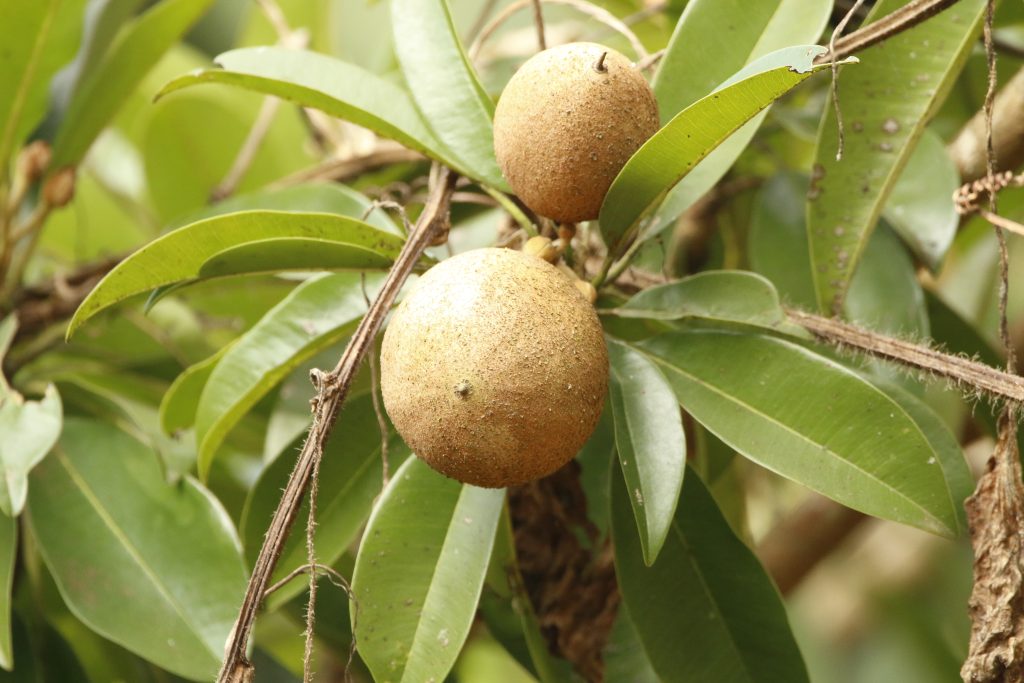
<point>995,514</point>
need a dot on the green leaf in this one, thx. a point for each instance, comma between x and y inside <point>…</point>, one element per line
<point>509,614</point>
<point>29,429</point>
<point>419,572</point>
<point>317,314</point>
<point>445,86</point>
<point>886,103</point>
<point>809,419</point>
<point>920,207</point>
<point>134,52</point>
<point>624,656</point>
<point>706,610</point>
<point>674,150</point>
<point>8,555</point>
<point>291,253</point>
<point>178,406</point>
<point>351,477</point>
<point>328,84</point>
<point>650,442</point>
<point>698,61</point>
<point>119,540</point>
<point>959,480</point>
<point>729,297</point>
<point>313,197</point>
<point>39,37</point>
<point>179,256</point>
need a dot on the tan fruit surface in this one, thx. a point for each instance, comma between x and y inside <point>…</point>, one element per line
<point>564,129</point>
<point>494,369</point>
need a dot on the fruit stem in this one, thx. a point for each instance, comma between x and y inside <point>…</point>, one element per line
<point>599,66</point>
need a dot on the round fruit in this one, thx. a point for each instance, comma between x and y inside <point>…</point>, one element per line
<point>494,368</point>
<point>567,123</point>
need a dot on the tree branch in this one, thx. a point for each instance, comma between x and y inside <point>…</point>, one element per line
<point>332,388</point>
<point>906,17</point>
<point>966,373</point>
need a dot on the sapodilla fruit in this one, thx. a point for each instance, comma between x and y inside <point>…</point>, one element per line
<point>567,123</point>
<point>494,368</point>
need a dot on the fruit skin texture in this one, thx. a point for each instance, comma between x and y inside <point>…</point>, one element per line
<point>494,369</point>
<point>563,130</point>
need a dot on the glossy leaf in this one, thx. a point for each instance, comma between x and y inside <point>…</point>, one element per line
<point>419,572</point>
<point>718,296</point>
<point>291,253</point>
<point>317,314</point>
<point>313,197</point>
<point>351,477</point>
<point>624,656</point>
<point>118,540</point>
<point>675,149</point>
<point>887,101</point>
<point>650,442</point>
<point>698,61</point>
<point>920,207</point>
<point>445,86</point>
<point>178,406</point>
<point>133,53</point>
<point>331,85</point>
<point>948,453</point>
<point>809,419</point>
<point>8,555</point>
<point>39,37</point>
<point>706,610</point>
<point>179,256</point>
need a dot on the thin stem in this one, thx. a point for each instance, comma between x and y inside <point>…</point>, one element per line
<point>513,209</point>
<point>332,389</point>
<point>598,13</point>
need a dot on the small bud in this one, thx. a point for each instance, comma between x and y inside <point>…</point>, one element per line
<point>60,188</point>
<point>541,247</point>
<point>33,160</point>
<point>587,290</point>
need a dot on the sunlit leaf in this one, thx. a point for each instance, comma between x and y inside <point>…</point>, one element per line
<point>179,256</point>
<point>445,86</point>
<point>675,149</point>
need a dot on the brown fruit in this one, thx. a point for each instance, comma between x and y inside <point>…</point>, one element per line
<point>494,369</point>
<point>567,123</point>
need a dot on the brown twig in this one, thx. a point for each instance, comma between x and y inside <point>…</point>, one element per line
<point>835,74</point>
<point>343,170</point>
<point>965,372</point>
<point>598,13</point>
<point>332,388</point>
<point>538,20</point>
<point>906,17</point>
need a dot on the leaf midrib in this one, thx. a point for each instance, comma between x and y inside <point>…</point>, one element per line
<point>129,547</point>
<point>798,435</point>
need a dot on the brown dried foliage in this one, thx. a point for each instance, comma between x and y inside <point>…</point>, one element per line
<point>566,568</point>
<point>995,514</point>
